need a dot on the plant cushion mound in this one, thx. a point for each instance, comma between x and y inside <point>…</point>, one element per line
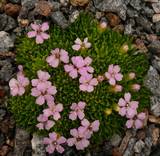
<point>106,49</point>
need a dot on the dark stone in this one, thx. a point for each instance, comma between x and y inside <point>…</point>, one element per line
<point>132,13</point>
<point>7,23</point>
<point>136,4</point>
<point>145,23</point>
<point>148,12</point>
<point>15,1</point>
<point>116,6</point>
<point>58,18</point>
<point>2,113</point>
<point>2,139</point>
<point>157,27</point>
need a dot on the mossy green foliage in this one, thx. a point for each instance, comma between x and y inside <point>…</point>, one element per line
<point>106,49</point>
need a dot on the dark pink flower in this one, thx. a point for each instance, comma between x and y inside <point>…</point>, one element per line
<point>17,86</point>
<point>113,74</point>
<point>44,123</point>
<point>54,142</point>
<point>137,122</point>
<point>79,140</point>
<point>127,108</point>
<point>53,110</point>
<point>87,83</point>
<point>57,56</point>
<point>39,32</point>
<point>81,45</point>
<point>77,111</point>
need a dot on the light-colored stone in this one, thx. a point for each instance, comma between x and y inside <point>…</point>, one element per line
<point>155,105</point>
<point>151,1</point>
<point>156,7</point>
<point>139,145</point>
<point>156,18</point>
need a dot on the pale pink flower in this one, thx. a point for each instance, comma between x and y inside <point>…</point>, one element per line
<point>81,44</point>
<point>79,140</point>
<point>57,56</point>
<point>88,128</point>
<point>137,122</point>
<point>113,74</point>
<point>44,123</point>
<point>135,87</point>
<point>17,86</point>
<point>87,83</point>
<point>54,142</point>
<point>39,32</point>
<point>127,108</point>
<point>43,89</point>
<point>53,110</point>
<point>131,75</point>
<point>103,25</point>
<point>72,70</point>
<point>77,110</point>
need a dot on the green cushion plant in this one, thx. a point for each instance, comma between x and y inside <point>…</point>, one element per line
<point>101,104</point>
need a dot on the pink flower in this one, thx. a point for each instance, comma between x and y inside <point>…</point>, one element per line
<point>73,72</point>
<point>87,83</point>
<point>39,32</point>
<point>113,74</point>
<point>77,111</point>
<point>44,122</point>
<point>137,122</point>
<point>53,110</point>
<point>136,87</point>
<point>43,89</point>
<point>127,108</point>
<point>81,45</point>
<point>17,86</point>
<point>88,128</point>
<point>79,140</point>
<point>57,56</point>
<point>54,142</point>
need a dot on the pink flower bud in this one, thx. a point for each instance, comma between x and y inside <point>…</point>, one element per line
<point>131,75</point>
<point>103,25</point>
<point>136,87</point>
<point>118,88</point>
<point>100,78</point>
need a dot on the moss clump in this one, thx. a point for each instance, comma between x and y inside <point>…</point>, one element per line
<point>106,49</point>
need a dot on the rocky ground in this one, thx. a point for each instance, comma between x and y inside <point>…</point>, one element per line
<point>139,18</point>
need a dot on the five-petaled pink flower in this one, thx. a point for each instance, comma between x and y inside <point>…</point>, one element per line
<point>53,110</point>
<point>79,139</point>
<point>137,122</point>
<point>39,32</point>
<point>44,123</point>
<point>88,128</point>
<point>87,83</point>
<point>17,86</point>
<point>127,108</point>
<point>113,74</point>
<point>43,89</point>
<point>57,56</point>
<point>81,44</point>
<point>54,142</point>
<point>77,111</point>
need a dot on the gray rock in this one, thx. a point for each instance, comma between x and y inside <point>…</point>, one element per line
<point>154,48</point>
<point>58,18</point>
<point>2,113</point>
<point>7,23</point>
<point>115,140</point>
<point>155,105</point>
<point>2,139</point>
<point>145,23</point>
<point>74,16</point>
<point>22,142</point>
<point>156,7</point>
<point>5,42</point>
<point>117,6</point>
<point>156,63</point>
<point>132,13</point>
<point>15,1</point>
<point>157,27</point>
<point>38,146</point>
<point>146,11</point>
<point>56,5</point>
<point>139,145</point>
<point>129,151</point>
<point>152,81</point>
<point>29,4</point>
<point>151,1</point>
<point>6,70</point>
<point>136,4</point>
<point>148,145</point>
